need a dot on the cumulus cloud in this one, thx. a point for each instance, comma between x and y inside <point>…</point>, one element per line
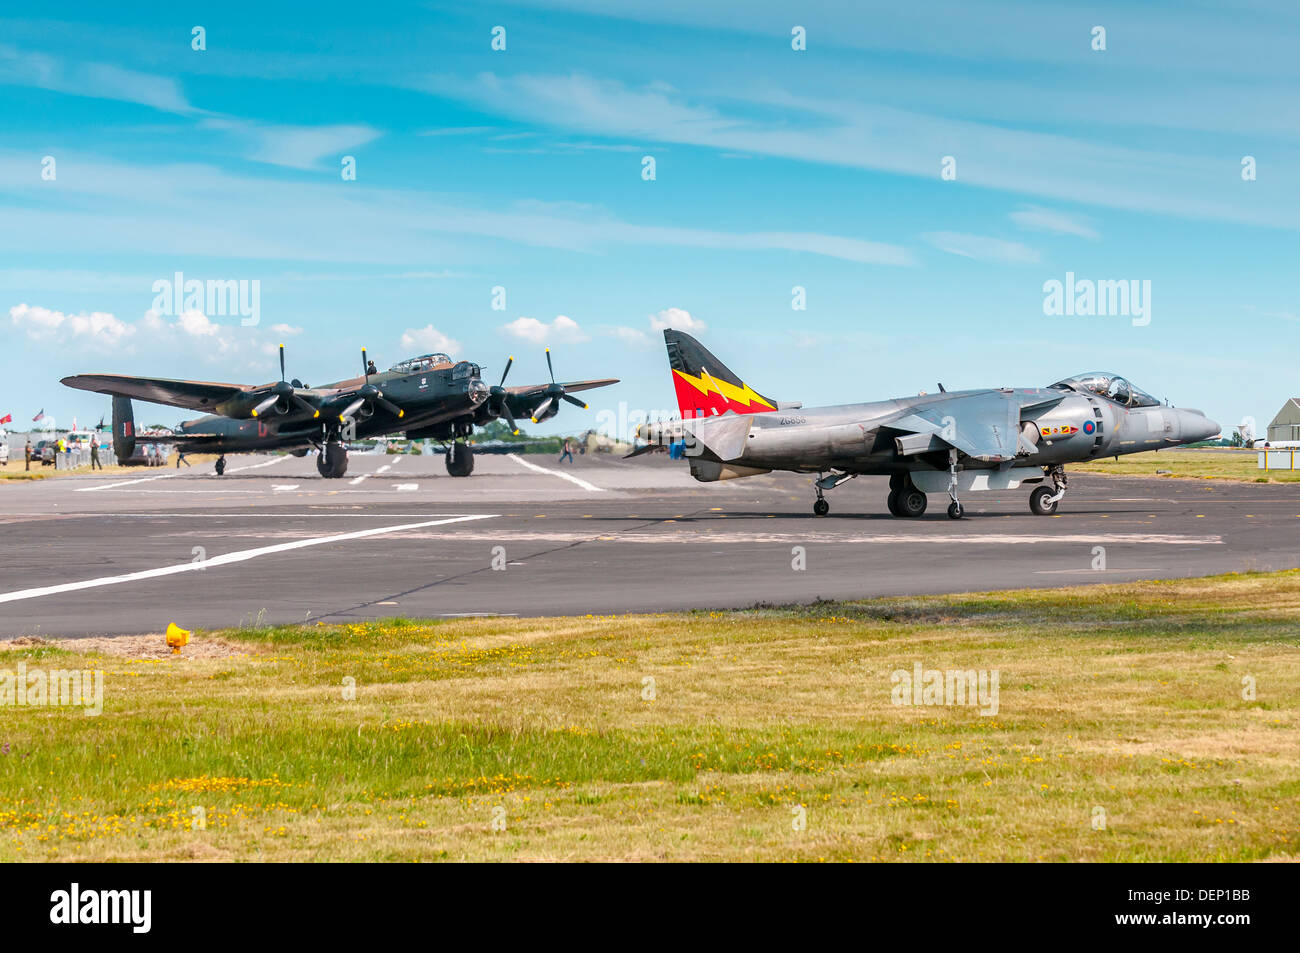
<point>563,328</point>
<point>429,339</point>
<point>188,335</point>
<point>678,318</point>
<point>96,327</point>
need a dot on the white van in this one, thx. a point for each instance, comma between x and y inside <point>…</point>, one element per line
<point>4,447</point>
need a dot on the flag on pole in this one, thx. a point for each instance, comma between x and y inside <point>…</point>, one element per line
<point>39,414</point>
<point>7,418</point>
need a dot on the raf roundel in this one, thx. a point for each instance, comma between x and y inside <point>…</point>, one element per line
<point>1089,426</point>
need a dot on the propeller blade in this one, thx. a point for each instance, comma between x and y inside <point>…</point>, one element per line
<point>505,410</point>
<point>506,371</point>
<point>351,408</point>
<point>574,401</point>
<point>269,402</point>
<point>542,408</point>
<point>548,365</point>
<point>389,406</point>
<point>365,368</point>
<point>281,362</point>
<point>304,406</point>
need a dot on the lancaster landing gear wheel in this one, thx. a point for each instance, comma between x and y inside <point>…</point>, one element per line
<point>220,465</point>
<point>460,460</point>
<point>954,511</point>
<point>1038,501</point>
<point>892,503</point>
<point>910,503</point>
<point>821,508</point>
<point>332,462</point>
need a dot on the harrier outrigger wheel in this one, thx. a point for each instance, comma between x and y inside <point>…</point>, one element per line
<point>954,510</point>
<point>823,483</point>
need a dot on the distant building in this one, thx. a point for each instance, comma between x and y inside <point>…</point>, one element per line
<point>1286,425</point>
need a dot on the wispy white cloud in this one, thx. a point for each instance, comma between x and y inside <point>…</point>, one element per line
<point>185,209</point>
<point>982,248</point>
<point>94,80</point>
<point>298,147</point>
<point>1035,218</point>
<point>852,133</point>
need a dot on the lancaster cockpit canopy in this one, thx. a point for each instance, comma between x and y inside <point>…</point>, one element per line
<point>1111,386</point>
<point>413,365</point>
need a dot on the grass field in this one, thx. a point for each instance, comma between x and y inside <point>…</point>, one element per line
<point>1122,733</point>
<point>1194,464</point>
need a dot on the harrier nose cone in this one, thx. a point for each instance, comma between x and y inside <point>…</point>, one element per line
<point>1194,426</point>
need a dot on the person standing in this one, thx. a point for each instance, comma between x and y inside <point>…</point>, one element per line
<point>568,451</point>
<point>180,458</point>
<point>27,454</point>
<point>94,454</point>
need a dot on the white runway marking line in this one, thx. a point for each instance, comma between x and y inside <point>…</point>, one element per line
<point>109,486</point>
<point>563,476</point>
<point>228,558</point>
<point>254,466</point>
<point>406,487</point>
<point>384,468</point>
<point>168,476</point>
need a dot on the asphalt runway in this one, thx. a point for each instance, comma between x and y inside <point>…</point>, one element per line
<point>273,542</point>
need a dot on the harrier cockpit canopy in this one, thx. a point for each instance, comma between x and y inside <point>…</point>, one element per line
<point>1111,386</point>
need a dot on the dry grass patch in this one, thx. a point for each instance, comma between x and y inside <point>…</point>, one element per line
<point>769,734</point>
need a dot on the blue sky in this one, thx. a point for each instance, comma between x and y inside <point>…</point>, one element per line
<point>775,168</point>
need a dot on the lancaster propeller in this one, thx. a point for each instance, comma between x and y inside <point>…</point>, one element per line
<point>369,396</point>
<point>554,392</point>
<point>282,397</point>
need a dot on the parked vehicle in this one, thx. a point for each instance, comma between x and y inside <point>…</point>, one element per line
<point>45,451</point>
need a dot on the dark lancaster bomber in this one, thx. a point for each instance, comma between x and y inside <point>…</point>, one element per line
<point>424,397</point>
<point>967,441</point>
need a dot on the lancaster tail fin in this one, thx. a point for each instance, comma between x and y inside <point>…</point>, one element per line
<point>123,429</point>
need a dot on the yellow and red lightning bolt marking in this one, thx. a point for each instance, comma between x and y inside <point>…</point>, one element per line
<point>708,396</point>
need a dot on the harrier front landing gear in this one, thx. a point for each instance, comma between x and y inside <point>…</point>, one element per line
<point>820,506</point>
<point>955,510</point>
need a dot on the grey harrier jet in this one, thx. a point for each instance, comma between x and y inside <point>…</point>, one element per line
<point>958,441</point>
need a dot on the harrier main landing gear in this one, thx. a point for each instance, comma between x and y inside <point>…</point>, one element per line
<point>220,465</point>
<point>1043,501</point>
<point>820,506</point>
<point>905,500</point>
